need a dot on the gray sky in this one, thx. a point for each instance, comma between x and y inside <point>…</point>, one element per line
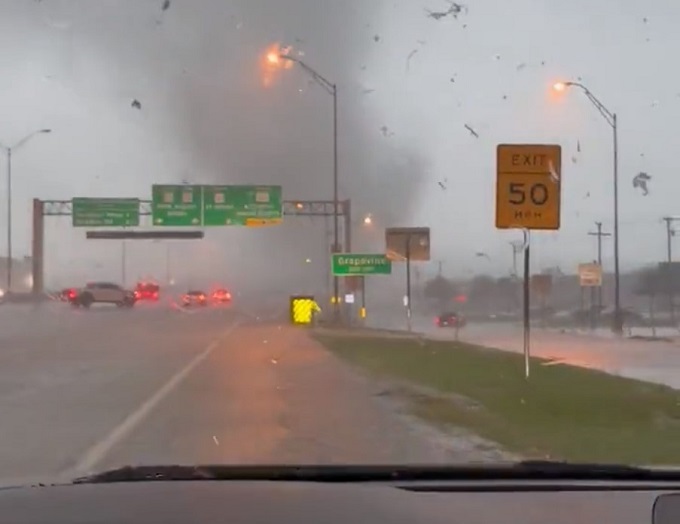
<point>75,66</point>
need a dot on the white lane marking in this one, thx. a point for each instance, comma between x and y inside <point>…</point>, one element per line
<point>99,451</point>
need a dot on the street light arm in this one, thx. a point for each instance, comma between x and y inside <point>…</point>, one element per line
<point>321,80</point>
<point>606,113</point>
<point>25,139</point>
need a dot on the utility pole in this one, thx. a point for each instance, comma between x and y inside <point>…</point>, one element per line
<point>670,232</point>
<point>599,234</point>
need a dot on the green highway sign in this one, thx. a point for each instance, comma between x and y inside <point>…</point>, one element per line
<point>344,264</point>
<point>242,205</point>
<point>183,205</point>
<point>177,205</point>
<point>105,212</point>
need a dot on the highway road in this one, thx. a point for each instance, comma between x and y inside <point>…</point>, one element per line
<point>652,361</point>
<point>83,391</point>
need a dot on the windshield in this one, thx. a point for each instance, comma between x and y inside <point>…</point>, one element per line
<point>428,233</point>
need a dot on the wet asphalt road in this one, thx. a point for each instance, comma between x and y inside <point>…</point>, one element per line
<point>83,391</point>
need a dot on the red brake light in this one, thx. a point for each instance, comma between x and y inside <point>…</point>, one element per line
<point>229,296</point>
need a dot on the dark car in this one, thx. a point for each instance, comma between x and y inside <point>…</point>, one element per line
<point>194,298</point>
<point>449,320</point>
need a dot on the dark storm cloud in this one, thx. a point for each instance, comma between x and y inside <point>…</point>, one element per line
<point>200,64</point>
<point>205,57</point>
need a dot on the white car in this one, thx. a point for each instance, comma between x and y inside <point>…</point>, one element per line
<point>103,293</point>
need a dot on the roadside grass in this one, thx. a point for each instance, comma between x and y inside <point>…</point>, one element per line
<point>561,412</point>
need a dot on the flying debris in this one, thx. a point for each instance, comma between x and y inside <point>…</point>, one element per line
<point>386,131</point>
<point>436,16</point>
<point>472,131</point>
<point>376,38</point>
<point>454,10</point>
<point>408,58</point>
<point>367,91</point>
<point>578,146</point>
<point>166,5</point>
<point>482,255</point>
<point>521,66</point>
<point>443,184</point>
<point>640,181</point>
<point>136,104</point>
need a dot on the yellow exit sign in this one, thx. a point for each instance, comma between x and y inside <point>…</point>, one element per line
<point>528,182</point>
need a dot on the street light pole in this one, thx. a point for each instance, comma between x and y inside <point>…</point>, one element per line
<point>618,317</point>
<point>9,221</point>
<point>332,90</point>
<point>669,258</point>
<point>336,283</point>
<point>8,151</point>
<point>611,119</point>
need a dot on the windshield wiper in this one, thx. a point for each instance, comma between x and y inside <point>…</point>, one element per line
<point>527,470</point>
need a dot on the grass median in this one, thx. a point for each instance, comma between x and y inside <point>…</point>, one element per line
<point>562,412</point>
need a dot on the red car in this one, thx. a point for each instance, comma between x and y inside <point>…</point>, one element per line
<point>221,296</point>
<point>147,291</point>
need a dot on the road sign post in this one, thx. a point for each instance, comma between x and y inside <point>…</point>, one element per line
<point>177,205</point>
<point>590,274</point>
<point>528,184</point>
<point>527,307</point>
<point>528,181</point>
<point>408,243</point>
<point>105,212</point>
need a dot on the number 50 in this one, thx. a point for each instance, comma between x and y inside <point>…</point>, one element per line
<point>537,193</point>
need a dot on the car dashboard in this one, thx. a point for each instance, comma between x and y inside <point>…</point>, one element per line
<point>170,502</point>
